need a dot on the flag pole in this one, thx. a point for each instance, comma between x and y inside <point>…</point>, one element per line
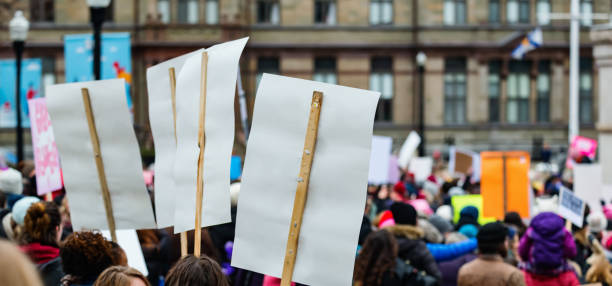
<point>573,126</point>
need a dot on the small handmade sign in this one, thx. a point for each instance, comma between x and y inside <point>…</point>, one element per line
<point>46,158</point>
<point>408,148</point>
<point>571,207</point>
<point>379,160</point>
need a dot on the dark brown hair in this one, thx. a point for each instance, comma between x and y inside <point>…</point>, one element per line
<point>377,256</point>
<point>119,276</point>
<point>40,224</point>
<point>85,255</point>
<point>193,271</point>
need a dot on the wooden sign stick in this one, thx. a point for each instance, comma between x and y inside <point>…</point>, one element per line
<point>301,194</point>
<point>95,142</point>
<point>201,143</point>
<point>172,77</point>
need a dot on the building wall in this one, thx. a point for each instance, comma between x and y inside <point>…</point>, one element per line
<point>353,42</point>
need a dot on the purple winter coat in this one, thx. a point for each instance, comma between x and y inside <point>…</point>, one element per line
<point>546,245</point>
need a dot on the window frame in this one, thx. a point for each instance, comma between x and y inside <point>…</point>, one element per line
<point>494,80</point>
<point>39,13</point>
<point>184,4</point>
<point>269,4</point>
<point>382,67</point>
<point>323,73</point>
<point>495,18</point>
<point>381,5</point>
<point>518,69</point>
<point>543,96</point>
<point>455,91</point>
<point>585,96</point>
<point>330,3</point>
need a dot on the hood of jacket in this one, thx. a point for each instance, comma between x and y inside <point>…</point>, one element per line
<point>39,253</point>
<point>406,231</point>
<point>547,226</point>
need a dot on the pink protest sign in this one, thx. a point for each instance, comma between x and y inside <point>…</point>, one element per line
<point>584,146</point>
<point>46,160</point>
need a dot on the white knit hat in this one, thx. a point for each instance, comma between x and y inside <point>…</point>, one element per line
<point>11,181</point>
<point>20,209</point>
<point>597,221</point>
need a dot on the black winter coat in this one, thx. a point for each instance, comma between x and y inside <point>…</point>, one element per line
<point>412,248</point>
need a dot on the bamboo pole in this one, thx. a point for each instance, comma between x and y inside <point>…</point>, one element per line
<point>95,142</point>
<point>301,194</point>
<point>201,143</point>
<point>172,77</point>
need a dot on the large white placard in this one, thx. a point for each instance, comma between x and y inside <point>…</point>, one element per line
<point>421,168</point>
<point>222,70</point>
<point>128,240</point>
<point>379,160</point>
<point>161,118</point>
<point>120,155</point>
<point>338,180</point>
<point>571,207</point>
<point>588,184</point>
<point>410,145</point>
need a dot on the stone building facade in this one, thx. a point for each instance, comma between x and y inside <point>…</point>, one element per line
<point>476,95</point>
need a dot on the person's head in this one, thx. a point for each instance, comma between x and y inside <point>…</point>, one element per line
<point>85,255</point>
<point>11,181</point>
<point>193,271</point>
<point>377,256</point>
<point>42,224</point>
<point>399,192</point>
<point>16,268</point>
<point>513,218</point>
<point>21,208</point>
<point>121,276</point>
<point>492,239</point>
<point>597,222</point>
<point>469,211</point>
<point>469,230</point>
<point>119,256</point>
<point>404,214</point>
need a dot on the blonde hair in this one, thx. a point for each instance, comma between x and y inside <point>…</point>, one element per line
<point>119,276</point>
<point>15,268</point>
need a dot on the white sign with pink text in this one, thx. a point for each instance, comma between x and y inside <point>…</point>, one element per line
<point>46,158</point>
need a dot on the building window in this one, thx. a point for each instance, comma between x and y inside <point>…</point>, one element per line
<point>163,10</point>
<point>543,90</point>
<point>266,65</point>
<point>454,90</point>
<point>381,12</point>
<point>188,11</point>
<point>494,11</point>
<point>454,12</point>
<point>543,10</point>
<point>586,91</point>
<point>212,12</point>
<point>325,70</point>
<point>586,11</point>
<point>325,12</point>
<point>42,11</point>
<point>517,105</point>
<point>268,12</point>
<point>494,90</point>
<point>517,11</point>
<point>48,72</point>
<point>381,80</point>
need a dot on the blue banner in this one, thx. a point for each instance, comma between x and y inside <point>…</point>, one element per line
<point>31,73</point>
<point>116,59</point>
<point>236,168</point>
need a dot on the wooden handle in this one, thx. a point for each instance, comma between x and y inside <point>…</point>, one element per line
<point>301,194</point>
<point>201,144</point>
<point>172,78</point>
<point>95,142</point>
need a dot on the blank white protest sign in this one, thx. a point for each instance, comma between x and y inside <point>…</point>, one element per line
<point>120,155</point>
<point>338,180</point>
<point>222,71</point>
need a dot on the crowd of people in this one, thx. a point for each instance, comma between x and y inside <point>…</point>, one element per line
<point>409,236</point>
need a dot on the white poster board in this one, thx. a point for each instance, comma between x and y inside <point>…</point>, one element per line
<point>408,148</point>
<point>571,207</point>
<point>421,168</point>
<point>128,240</point>
<point>338,180</point>
<point>120,155</point>
<point>588,184</point>
<point>379,160</point>
<point>161,118</point>
<point>222,71</point>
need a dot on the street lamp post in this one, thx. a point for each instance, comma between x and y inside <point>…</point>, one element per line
<point>97,9</point>
<point>421,58</point>
<point>18,27</point>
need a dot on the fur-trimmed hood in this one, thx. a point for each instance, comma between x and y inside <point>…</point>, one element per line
<point>406,231</point>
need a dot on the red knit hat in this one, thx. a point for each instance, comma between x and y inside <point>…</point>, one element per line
<point>400,189</point>
<point>386,219</point>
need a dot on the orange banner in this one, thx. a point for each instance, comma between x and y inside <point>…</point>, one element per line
<point>507,192</point>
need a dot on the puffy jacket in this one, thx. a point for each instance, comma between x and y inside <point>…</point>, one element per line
<point>567,278</point>
<point>411,247</point>
<point>445,252</point>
